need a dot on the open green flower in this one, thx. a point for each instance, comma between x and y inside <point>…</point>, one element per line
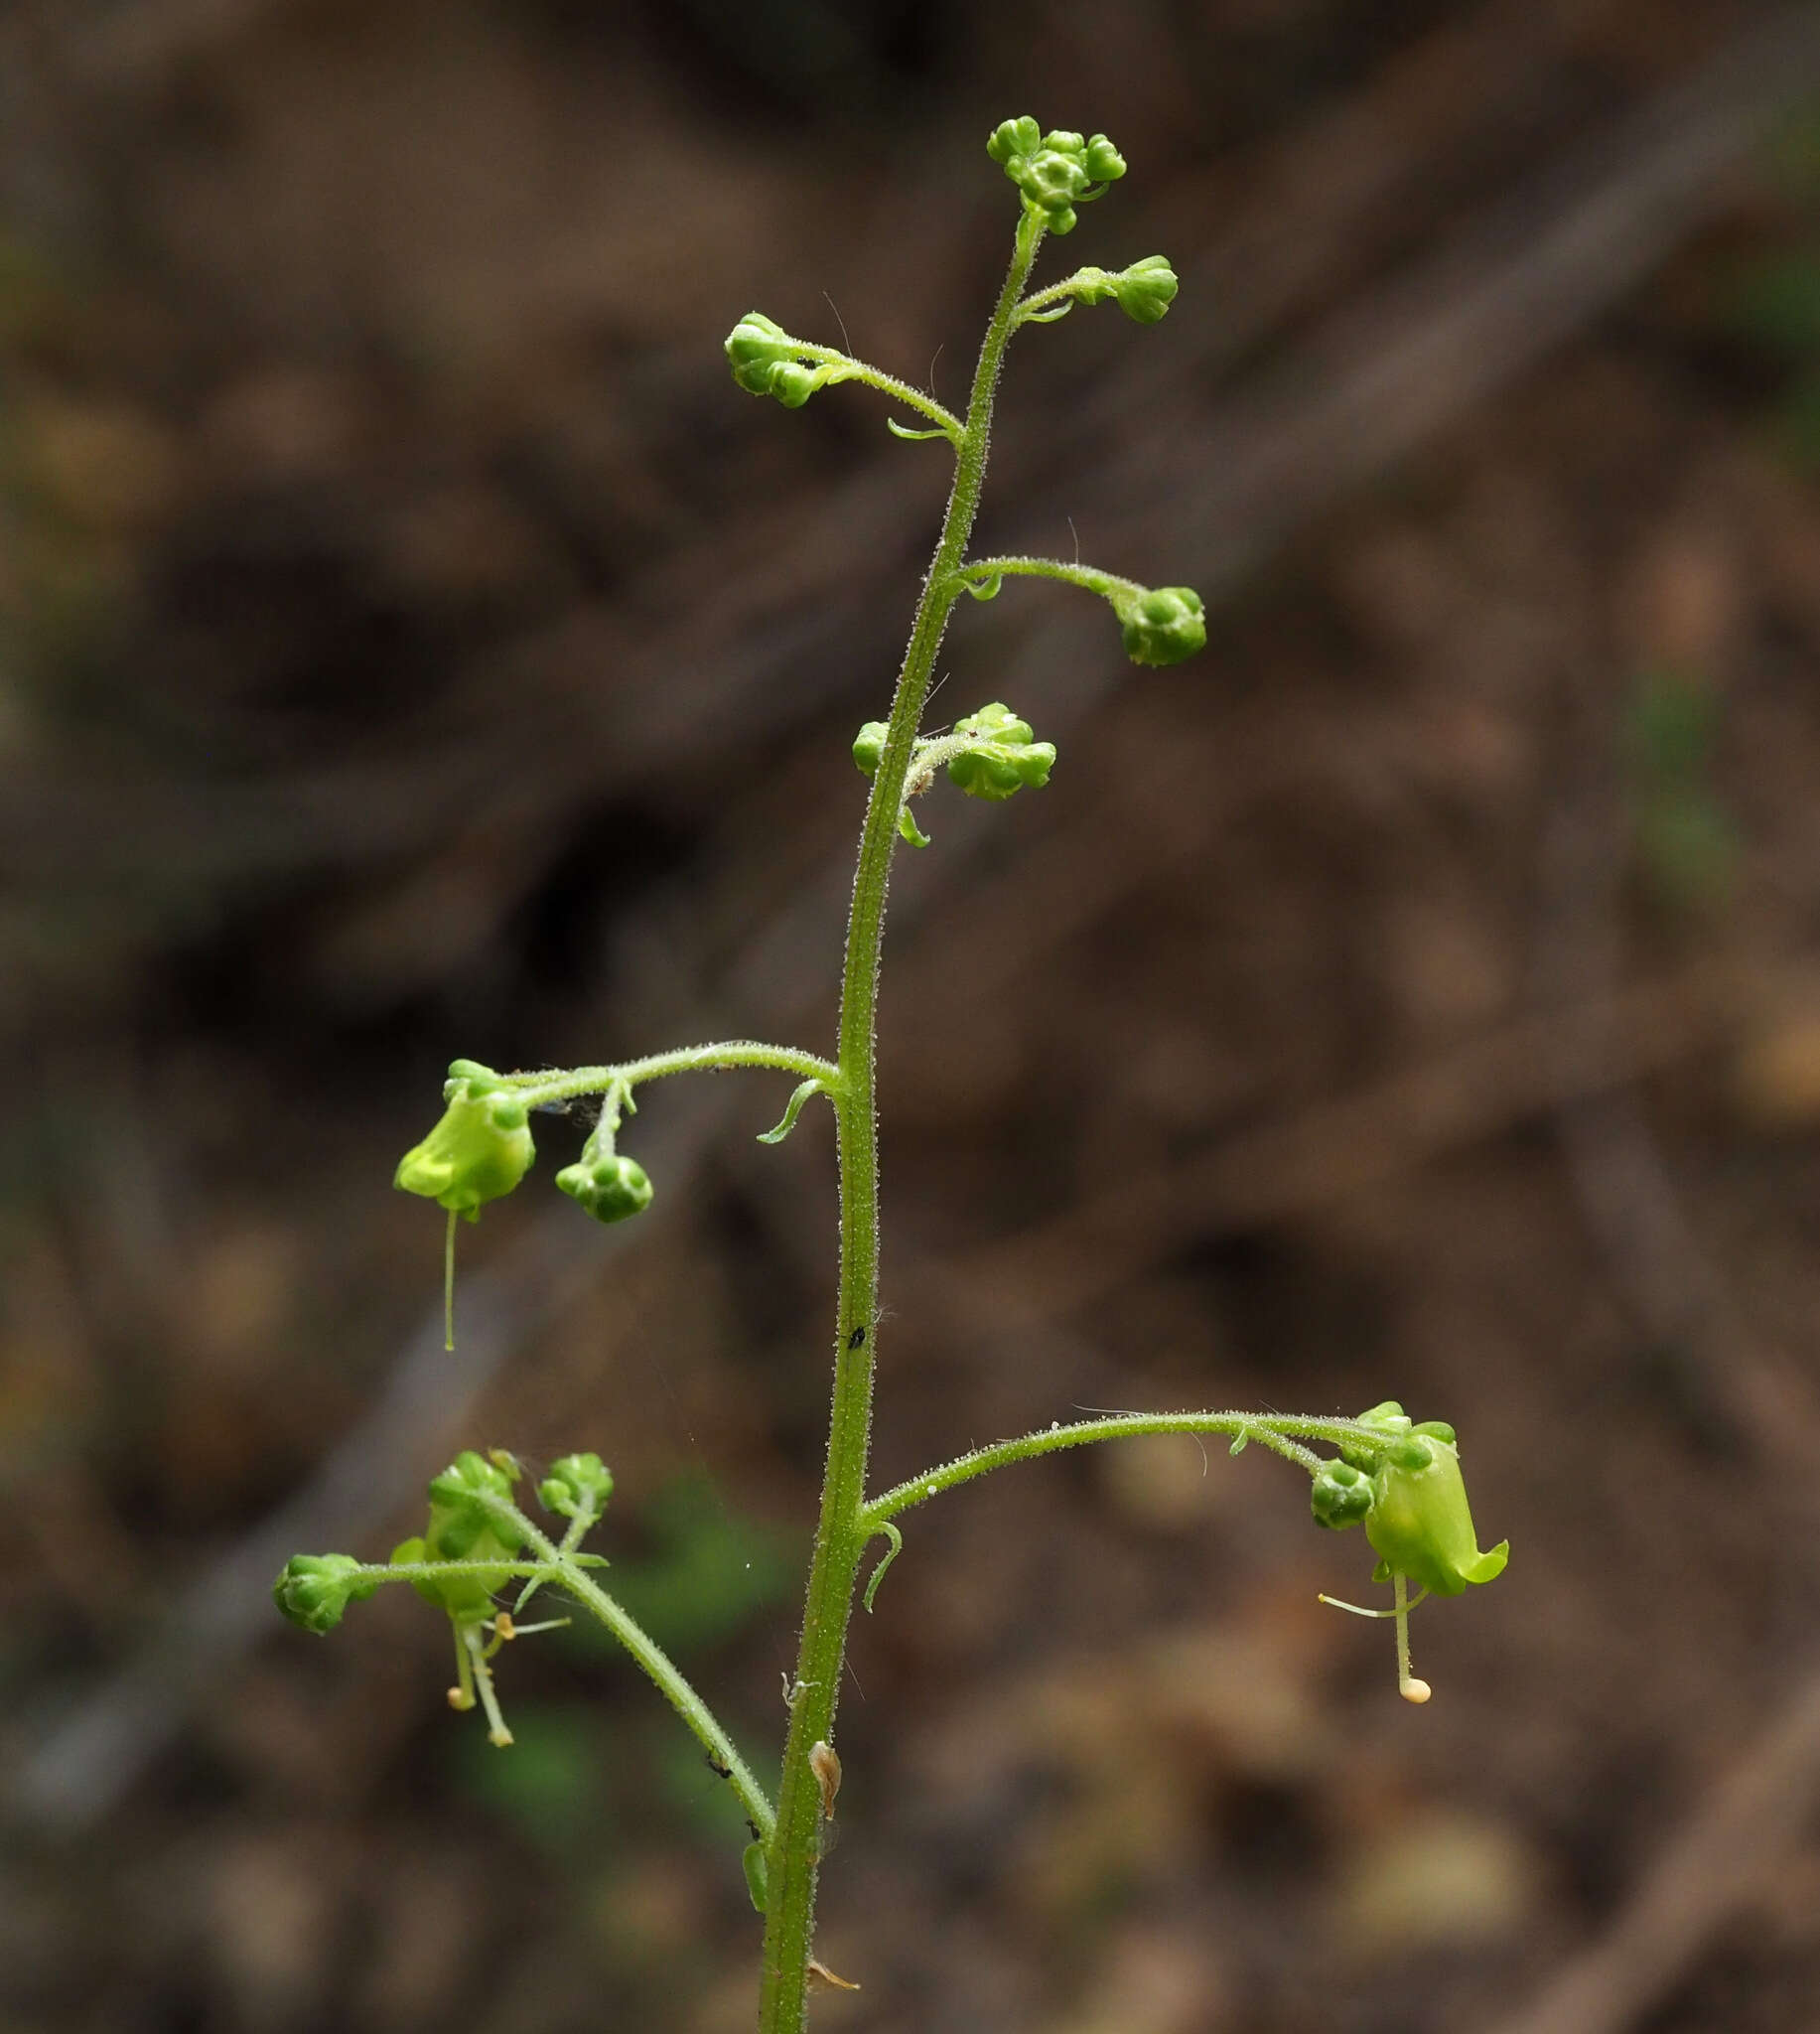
<point>479,1150</point>
<point>1420,1522</point>
<point>461,1529</point>
<point>1408,1492</point>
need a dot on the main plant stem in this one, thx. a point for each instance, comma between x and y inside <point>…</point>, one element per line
<point>841,1532</point>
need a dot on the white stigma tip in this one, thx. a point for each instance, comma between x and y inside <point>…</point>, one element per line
<point>1414,1690</point>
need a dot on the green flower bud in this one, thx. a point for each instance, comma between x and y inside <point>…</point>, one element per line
<point>756,1875</point>
<point>1420,1522</point>
<point>315,1589</point>
<point>1161,624</point>
<point>612,1187</point>
<point>1102,161</point>
<point>576,1486</point>
<point>756,347</point>
<point>1056,171</point>
<point>1340,1496</point>
<point>868,747</point>
<point>460,1530</point>
<point>1146,289</point>
<point>1003,757</point>
<point>1052,180</point>
<point>1013,138</point>
<point>480,1150</point>
<point>792,384</point>
<point>767,361</point>
<point>459,1523</point>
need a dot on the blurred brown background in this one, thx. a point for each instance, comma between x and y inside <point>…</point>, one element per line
<point>412,644</point>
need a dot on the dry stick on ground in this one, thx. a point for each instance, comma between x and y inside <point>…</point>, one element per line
<point>1413,360</point>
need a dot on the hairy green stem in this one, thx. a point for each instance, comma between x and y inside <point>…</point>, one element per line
<point>888,384</point>
<point>841,1532</point>
<point>1282,1434</point>
<point>536,1089</point>
<point>672,1684</point>
<point>1089,577</point>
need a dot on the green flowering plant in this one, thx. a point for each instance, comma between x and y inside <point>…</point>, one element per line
<point>1401,1481</point>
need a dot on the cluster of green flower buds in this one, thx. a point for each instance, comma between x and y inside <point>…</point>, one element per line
<point>611,1186</point>
<point>991,754</point>
<point>1056,171</point>
<point>577,1488</point>
<point>315,1589</point>
<point>767,361</point>
<point>1160,624</point>
<point>1408,1491</point>
<point>1002,755</point>
<point>1144,291</point>
<point>480,1149</point>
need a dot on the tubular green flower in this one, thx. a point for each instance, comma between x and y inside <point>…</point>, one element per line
<point>1418,1519</point>
<point>480,1149</point>
<point>1420,1522</point>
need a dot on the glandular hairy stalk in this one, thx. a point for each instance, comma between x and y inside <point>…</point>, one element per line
<point>1400,1479</point>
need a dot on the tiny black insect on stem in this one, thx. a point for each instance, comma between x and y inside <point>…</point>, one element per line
<point>717,1766</point>
<point>857,1340</point>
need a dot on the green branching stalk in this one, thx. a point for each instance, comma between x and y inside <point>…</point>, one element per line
<point>670,1682</point>
<point>1398,1479</point>
<point>1282,1435</point>
<point>541,1090</point>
